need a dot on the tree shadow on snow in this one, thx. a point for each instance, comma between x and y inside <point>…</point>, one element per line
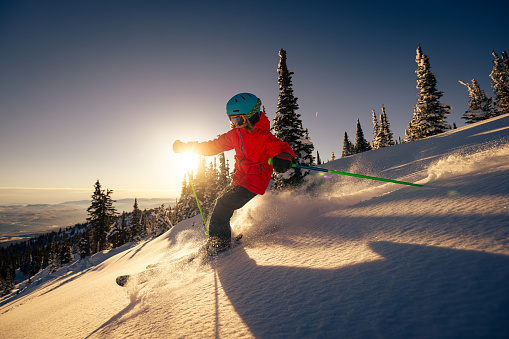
<point>413,292</point>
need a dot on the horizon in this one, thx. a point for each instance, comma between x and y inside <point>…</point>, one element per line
<point>50,196</point>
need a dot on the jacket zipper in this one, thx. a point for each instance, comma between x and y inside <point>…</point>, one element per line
<point>242,150</point>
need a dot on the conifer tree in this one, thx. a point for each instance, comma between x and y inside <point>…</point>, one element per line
<point>318,160</point>
<point>333,157</point>
<point>500,82</point>
<point>288,127</point>
<point>162,220</point>
<point>123,235</point>
<point>65,251</point>
<point>429,114</point>
<point>7,283</point>
<point>54,260</point>
<point>102,214</point>
<point>386,136</point>
<point>480,106</point>
<point>377,143</point>
<point>187,207</point>
<point>224,172</point>
<point>361,144</point>
<point>348,147</point>
<point>413,131</point>
<point>136,225</point>
<point>84,244</point>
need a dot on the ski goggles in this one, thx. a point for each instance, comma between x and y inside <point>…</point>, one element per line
<point>237,120</point>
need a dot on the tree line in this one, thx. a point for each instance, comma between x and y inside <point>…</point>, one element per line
<point>429,115</point>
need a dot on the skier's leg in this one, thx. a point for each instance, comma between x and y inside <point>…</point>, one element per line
<point>230,199</point>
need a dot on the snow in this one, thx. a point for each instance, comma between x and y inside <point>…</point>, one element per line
<point>351,258</point>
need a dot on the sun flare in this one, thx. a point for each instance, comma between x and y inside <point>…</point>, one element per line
<point>189,161</point>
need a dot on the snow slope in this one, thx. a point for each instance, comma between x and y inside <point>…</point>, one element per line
<point>345,258</point>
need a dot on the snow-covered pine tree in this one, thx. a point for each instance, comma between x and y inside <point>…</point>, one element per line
<point>431,114</point>
<point>500,82</point>
<point>288,127</point>
<point>135,226</point>
<point>162,220</point>
<point>348,147</point>
<point>224,171</point>
<point>377,143</point>
<point>480,106</point>
<point>123,235</point>
<point>147,225</point>
<point>386,135</point>
<point>113,236</point>
<point>54,260</point>
<point>187,207</point>
<point>333,157</point>
<point>318,160</point>
<point>212,188</point>
<point>84,244</point>
<point>414,130</point>
<point>361,144</point>
<point>102,214</point>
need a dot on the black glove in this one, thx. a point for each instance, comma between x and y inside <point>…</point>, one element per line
<point>282,162</point>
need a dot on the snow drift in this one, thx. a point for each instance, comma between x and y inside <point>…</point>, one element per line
<point>343,257</point>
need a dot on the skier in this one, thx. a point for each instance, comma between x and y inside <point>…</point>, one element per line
<point>254,145</point>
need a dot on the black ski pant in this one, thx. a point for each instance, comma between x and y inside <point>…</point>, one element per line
<point>230,199</point>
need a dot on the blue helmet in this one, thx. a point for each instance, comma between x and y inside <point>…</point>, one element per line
<point>244,104</point>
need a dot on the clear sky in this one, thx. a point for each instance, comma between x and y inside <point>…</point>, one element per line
<point>101,89</point>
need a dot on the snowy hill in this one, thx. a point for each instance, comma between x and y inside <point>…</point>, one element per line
<point>351,258</point>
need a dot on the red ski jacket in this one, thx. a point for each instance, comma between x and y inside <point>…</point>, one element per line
<point>252,152</point>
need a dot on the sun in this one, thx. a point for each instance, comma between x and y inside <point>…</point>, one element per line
<point>189,161</point>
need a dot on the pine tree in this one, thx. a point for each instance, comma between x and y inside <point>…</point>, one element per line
<point>213,188</point>
<point>429,114</point>
<point>84,244</point>
<point>318,160</point>
<point>500,82</point>
<point>287,127</point>
<point>162,220</point>
<point>136,225</point>
<point>414,130</point>
<point>65,251</point>
<point>333,157</point>
<point>386,136</point>
<point>102,214</point>
<point>348,147</point>
<point>361,144</point>
<point>7,283</point>
<point>54,259</point>
<point>224,172</point>
<point>186,206</point>
<point>377,143</point>
<point>480,106</point>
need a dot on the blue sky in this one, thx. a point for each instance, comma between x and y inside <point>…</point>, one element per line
<point>101,89</point>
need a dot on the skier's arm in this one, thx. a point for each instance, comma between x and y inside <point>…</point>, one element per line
<point>221,144</point>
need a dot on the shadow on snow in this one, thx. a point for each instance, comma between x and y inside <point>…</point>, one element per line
<point>415,291</point>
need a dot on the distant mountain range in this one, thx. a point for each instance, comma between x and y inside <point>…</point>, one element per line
<point>18,222</point>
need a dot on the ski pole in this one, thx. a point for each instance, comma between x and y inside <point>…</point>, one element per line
<point>350,174</point>
<point>198,203</point>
